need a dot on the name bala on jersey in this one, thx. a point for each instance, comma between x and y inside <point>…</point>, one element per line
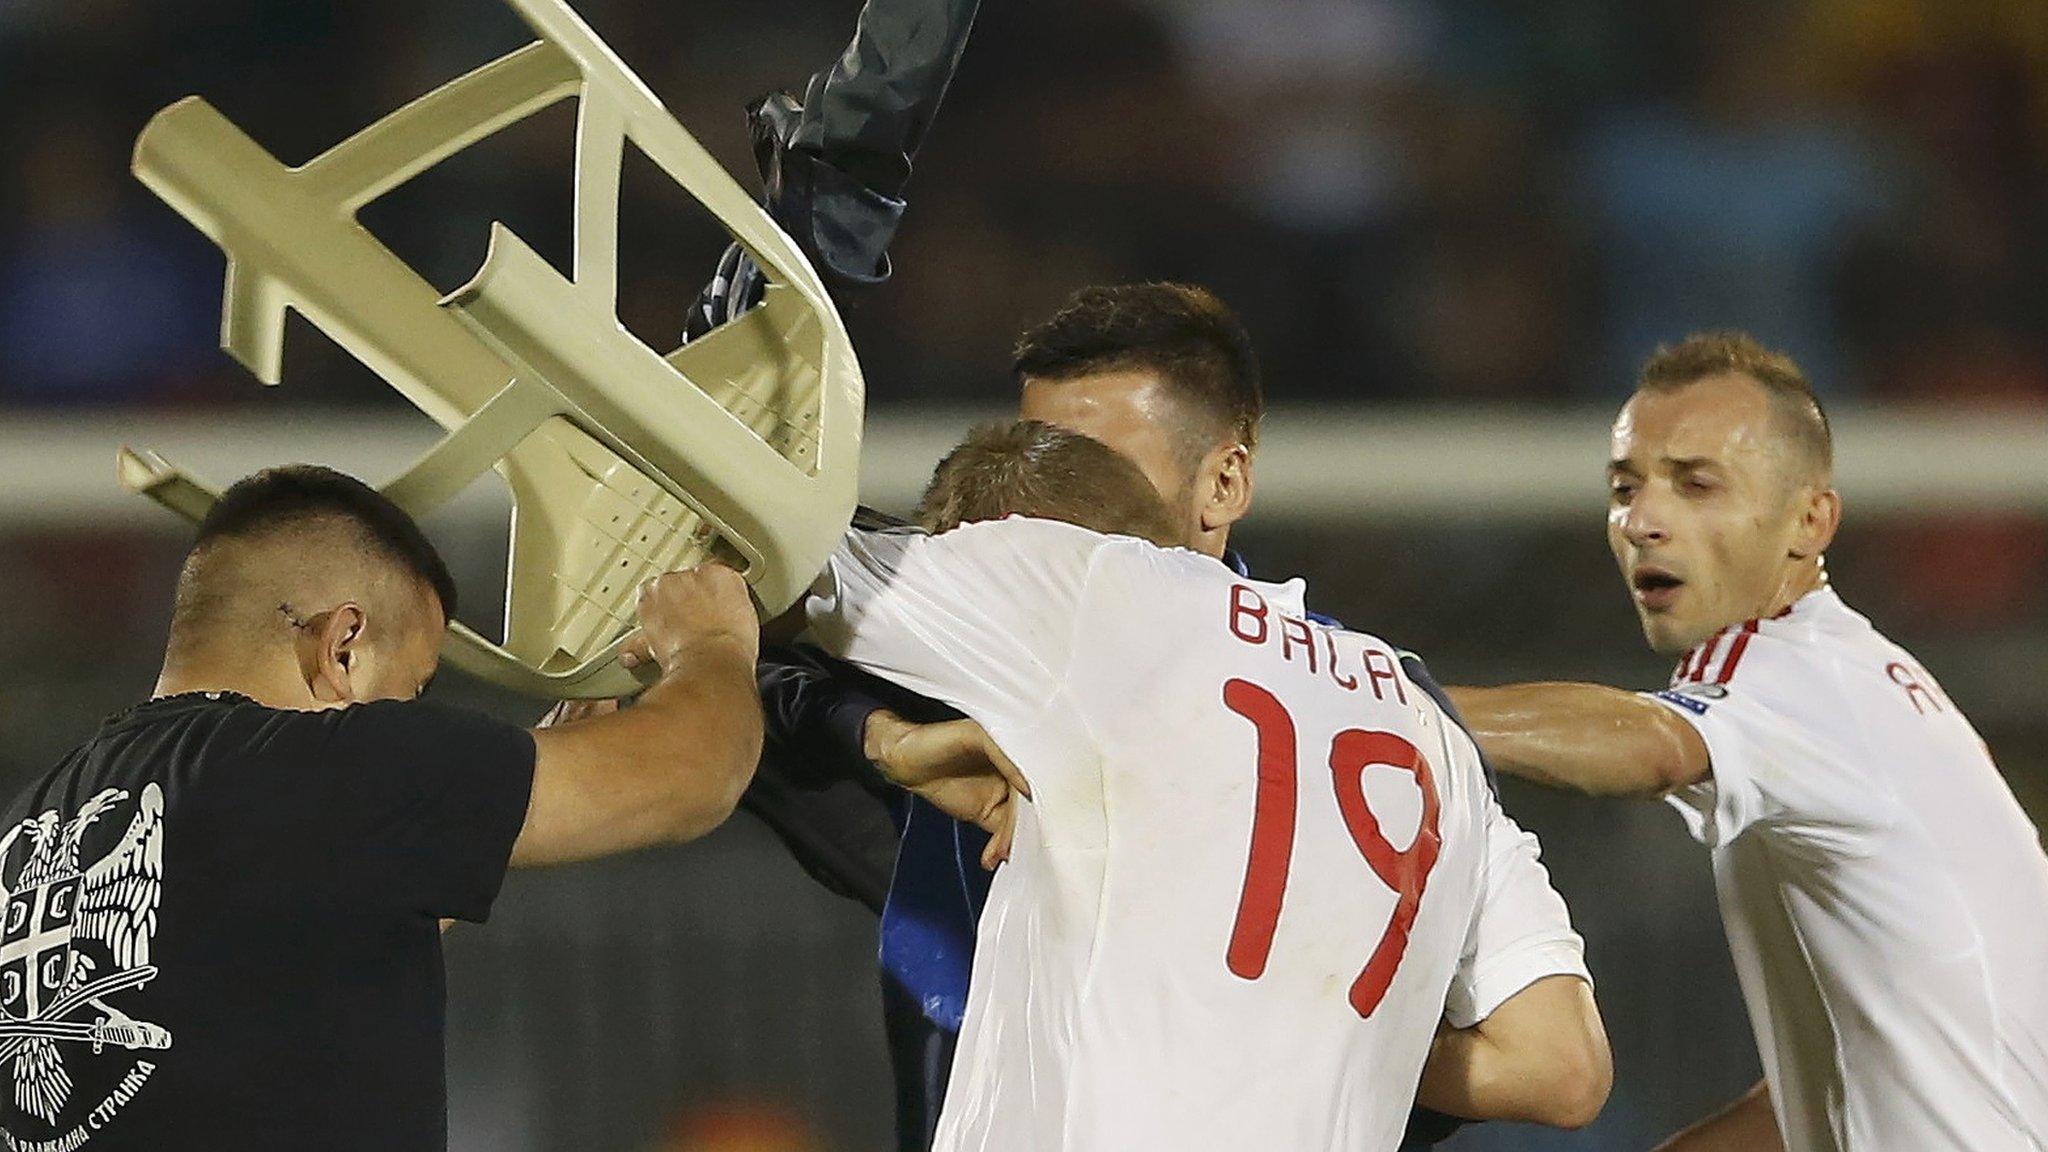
<point>1253,621</point>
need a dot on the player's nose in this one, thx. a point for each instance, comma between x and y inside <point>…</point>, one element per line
<point>1645,522</point>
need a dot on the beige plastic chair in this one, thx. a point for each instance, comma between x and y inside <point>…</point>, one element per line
<point>622,462</point>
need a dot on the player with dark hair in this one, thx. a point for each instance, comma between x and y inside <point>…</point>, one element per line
<point>223,910</point>
<point>1881,889</point>
<point>1106,1010</point>
<point>1164,374</point>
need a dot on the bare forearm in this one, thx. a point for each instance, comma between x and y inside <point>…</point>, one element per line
<point>1586,737</point>
<point>1748,1125</point>
<point>702,726</point>
<point>668,769</point>
<point>1542,1058</point>
<point>1462,1077</point>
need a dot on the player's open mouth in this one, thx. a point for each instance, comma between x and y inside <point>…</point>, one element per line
<point>1655,588</point>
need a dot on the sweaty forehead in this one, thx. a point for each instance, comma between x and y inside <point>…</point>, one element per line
<point>1130,410</point>
<point>1118,393</point>
<point>1726,419</point>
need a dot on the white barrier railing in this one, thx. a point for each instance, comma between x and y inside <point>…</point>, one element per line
<point>1329,465</point>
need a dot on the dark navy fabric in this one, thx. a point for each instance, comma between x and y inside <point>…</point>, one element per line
<point>858,836</point>
<point>839,819</point>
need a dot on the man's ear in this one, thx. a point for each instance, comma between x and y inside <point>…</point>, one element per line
<point>1227,473</point>
<point>1818,521</point>
<point>328,650</point>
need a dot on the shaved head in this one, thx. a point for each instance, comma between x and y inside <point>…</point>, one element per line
<point>300,556</point>
<point>232,587</point>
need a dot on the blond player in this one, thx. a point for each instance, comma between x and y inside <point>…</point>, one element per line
<point>1885,898</point>
<point>1259,864</point>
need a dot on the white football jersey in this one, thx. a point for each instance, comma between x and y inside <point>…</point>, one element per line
<point>1885,897</point>
<point>1258,867</point>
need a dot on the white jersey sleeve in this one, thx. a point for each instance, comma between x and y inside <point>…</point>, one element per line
<point>1777,758</point>
<point>1521,931</point>
<point>981,617</point>
<point>1880,888</point>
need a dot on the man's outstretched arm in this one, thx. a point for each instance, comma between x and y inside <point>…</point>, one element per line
<point>671,767</point>
<point>1586,737</point>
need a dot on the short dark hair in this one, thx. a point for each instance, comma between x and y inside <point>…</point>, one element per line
<point>1191,339</point>
<point>1703,354</point>
<point>1031,468</point>
<point>297,494</point>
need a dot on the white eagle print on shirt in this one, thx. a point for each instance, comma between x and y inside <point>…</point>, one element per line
<point>59,914</point>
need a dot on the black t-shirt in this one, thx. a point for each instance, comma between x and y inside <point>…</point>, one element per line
<point>221,924</point>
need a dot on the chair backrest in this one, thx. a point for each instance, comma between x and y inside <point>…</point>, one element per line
<point>623,462</point>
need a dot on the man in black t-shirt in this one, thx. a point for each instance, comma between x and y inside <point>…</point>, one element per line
<point>221,923</point>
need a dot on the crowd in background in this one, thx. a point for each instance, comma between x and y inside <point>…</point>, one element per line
<point>1408,199</point>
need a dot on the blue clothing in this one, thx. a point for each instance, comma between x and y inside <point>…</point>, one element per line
<point>934,904</point>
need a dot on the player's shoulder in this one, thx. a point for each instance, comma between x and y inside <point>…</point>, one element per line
<point>1010,536</point>
<point>407,717</point>
<point>897,551</point>
<point>1025,533</point>
<point>189,744</point>
<point>1123,568</point>
<point>1801,660</point>
<point>1021,560</point>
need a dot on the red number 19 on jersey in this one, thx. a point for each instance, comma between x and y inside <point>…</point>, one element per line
<point>1406,871</point>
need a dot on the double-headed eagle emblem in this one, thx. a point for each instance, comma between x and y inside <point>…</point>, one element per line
<point>63,920</point>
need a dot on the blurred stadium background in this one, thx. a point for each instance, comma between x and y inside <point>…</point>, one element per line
<point>1452,226</point>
